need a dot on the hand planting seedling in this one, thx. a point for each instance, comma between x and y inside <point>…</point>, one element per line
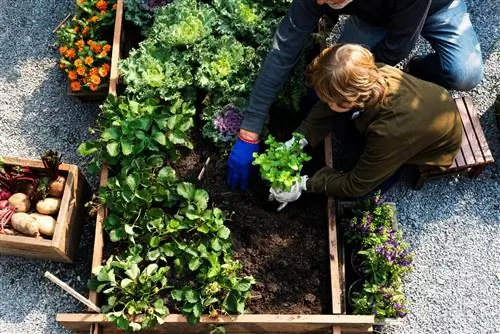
<point>281,163</point>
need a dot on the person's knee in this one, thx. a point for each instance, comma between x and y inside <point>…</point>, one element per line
<point>464,77</point>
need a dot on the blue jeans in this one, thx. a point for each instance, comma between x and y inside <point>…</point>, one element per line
<point>456,63</point>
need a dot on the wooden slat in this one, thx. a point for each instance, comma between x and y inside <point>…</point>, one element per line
<point>332,237</point>
<point>469,130</point>
<point>115,53</point>
<point>246,323</point>
<point>488,157</point>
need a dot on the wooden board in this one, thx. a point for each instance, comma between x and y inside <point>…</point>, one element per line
<point>246,323</point>
<point>64,243</point>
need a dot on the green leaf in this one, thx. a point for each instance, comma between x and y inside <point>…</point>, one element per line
<point>127,147</point>
<point>132,181</point>
<point>133,271</point>
<point>192,296</point>
<point>155,241</point>
<point>110,133</point>
<point>197,309</point>
<point>243,286</point>
<point>153,255</point>
<point>223,232</point>
<point>159,137</point>
<point>177,295</point>
<point>87,148</point>
<point>125,282</point>
<point>129,229</point>
<point>194,263</point>
<point>185,190</point>
<point>151,269</point>
<point>215,243</point>
<point>113,148</point>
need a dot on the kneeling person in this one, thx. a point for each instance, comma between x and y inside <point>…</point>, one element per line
<point>404,120</point>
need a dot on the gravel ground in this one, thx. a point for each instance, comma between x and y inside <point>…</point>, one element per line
<point>453,223</point>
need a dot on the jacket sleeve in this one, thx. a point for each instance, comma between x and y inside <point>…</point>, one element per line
<point>317,125</point>
<point>289,38</point>
<point>377,163</point>
<point>406,22</point>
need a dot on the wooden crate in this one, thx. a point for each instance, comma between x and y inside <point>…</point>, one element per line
<point>64,243</point>
<point>474,154</point>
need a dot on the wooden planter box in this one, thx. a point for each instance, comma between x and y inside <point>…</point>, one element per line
<point>64,243</point>
<point>98,96</point>
<point>335,323</point>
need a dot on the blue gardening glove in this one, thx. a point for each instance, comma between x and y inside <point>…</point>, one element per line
<point>285,197</point>
<point>239,163</point>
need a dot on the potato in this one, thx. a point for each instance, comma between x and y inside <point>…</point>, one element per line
<point>25,224</point>
<point>20,202</point>
<point>47,224</point>
<point>48,206</point>
<point>56,187</point>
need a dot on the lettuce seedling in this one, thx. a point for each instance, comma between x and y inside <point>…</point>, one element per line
<point>281,165</point>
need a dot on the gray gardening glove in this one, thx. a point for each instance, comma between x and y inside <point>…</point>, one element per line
<point>303,142</point>
<point>285,197</point>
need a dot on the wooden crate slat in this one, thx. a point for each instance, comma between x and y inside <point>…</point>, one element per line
<point>488,157</point>
<point>467,119</point>
<point>246,323</point>
<point>115,53</point>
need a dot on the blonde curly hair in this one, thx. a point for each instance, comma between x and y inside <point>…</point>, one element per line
<point>346,73</point>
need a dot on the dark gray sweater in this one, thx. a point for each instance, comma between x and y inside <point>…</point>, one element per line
<point>403,20</point>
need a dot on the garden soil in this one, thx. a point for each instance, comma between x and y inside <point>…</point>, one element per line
<point>287,251</point>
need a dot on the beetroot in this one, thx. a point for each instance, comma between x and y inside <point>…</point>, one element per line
<point>4,194</point>
<point>6,212</point>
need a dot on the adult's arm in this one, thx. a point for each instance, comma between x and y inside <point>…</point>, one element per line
<point>288,41</point>
<point>407,19</point>
<point>377,163</point>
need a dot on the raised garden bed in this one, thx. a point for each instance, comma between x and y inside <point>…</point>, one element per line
<point>63,244</point>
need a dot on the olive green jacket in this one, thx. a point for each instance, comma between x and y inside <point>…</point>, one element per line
<point>416,123</point>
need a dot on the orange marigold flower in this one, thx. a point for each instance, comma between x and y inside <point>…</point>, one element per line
<point>81,71</point>
<point>94,19</point>
<point>75,86</point>
<point>101,5</point>
<point>85,31</point>
<point>63,49</point>
<point>90,42</point>
<point>103,12</point>
<point>106,47</point>
<point>89,60</point>
<point>95,79</point>
<point>103,54</point>
<point>96,48</point>
<point>62,66</point>
<point>107,66</point>
<point>103,71</point>
<point>94,71</point>
<point>70,54</point>
<point>93,87</point>
<point>72,75</point>
<point>80,43</point>
<point>76,30</point>
<point>82,1</point>
<point>78,63</point>
<point>84,80</point>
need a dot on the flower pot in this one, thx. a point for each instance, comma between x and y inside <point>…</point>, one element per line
<point>357,263</point>
<point>356,286</point>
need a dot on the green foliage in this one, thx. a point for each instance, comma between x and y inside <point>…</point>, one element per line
<point>281,165</point>
<point>183,23</point>
<point>384,258</point>
<point>153,70</point>
<point>225,64</point>
<point>141,13</point>
<point>179,251</point>
<point>128,128</point>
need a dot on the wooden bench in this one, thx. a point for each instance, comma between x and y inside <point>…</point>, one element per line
<point>474,153</point>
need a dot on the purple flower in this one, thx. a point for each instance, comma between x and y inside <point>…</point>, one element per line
<point>401,314</point>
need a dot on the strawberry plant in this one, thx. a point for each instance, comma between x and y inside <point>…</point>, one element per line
<point>127,128</point>
<point>281,165</point>
<point>179,254</point>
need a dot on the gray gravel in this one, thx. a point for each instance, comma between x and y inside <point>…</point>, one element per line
<point>453,223</point>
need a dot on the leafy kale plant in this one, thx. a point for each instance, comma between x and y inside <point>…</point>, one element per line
<point>281,165</point>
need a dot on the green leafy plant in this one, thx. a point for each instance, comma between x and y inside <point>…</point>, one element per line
<point>142,12</point>
<point>128,128</point>
<point>281,165</point>
<point>179,254</point>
